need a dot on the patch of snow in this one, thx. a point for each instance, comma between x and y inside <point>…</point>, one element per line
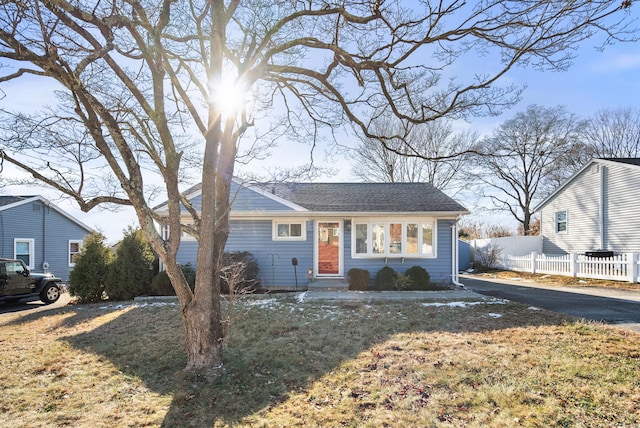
<point>464,304</point>
<point>533,308</point>
<point>494,315</point>
<point>300,297</point>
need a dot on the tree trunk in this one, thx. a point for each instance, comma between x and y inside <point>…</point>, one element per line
<point>201,316</point>
<point>203,334</point>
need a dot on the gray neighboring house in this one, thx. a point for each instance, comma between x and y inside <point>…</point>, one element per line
<point>45,237</point>
<point>329,228</point>
<point>594,210</point>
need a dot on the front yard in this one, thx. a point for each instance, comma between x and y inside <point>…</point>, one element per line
<point>292,362</point>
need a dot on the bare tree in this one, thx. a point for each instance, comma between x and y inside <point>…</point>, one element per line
<point>523,156</point>
<point>613,133</point>
<point>138,80</point>
<point>443,154</point>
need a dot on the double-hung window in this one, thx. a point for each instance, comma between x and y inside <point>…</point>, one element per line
<point>287,230</point>
<point>23,249</point>
<point>74,250</point>
<point>394,238</point>
<point>561,221</point>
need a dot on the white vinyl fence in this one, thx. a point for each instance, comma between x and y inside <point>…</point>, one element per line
<point>622,267</point>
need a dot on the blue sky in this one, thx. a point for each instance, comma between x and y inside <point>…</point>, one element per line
<point>597,80</point>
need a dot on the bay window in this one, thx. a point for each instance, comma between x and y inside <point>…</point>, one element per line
<point>393,238</point>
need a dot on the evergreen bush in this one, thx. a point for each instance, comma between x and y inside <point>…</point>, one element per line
<point>88,277</point>
<point>131,272</point>
<point>385,279</point>
<point>402,282</point>
<point>420,279</point>
<point>358,279</point>
<point>161,284</point>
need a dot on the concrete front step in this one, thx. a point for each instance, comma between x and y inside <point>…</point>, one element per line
<point>328,284</point>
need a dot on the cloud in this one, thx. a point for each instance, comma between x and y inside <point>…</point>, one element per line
<point>621,62</point>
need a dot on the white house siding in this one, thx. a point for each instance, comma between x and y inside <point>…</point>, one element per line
<point>581,200</point>
<point>622,205</point>
<point>617,185</point>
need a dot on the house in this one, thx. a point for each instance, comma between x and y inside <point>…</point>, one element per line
<point>312,234</point>
<point>596,210</point>
<point>45,237</point>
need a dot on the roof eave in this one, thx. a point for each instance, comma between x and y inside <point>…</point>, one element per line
<point>308,214</point>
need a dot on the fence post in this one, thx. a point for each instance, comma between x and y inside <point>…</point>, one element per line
<point>632,267</point>
<point>534,257</point>
<point>573,264</point>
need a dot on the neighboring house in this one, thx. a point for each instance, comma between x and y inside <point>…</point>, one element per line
<point>330,228</point>
<point>594,210</point>
<point>39,233</point>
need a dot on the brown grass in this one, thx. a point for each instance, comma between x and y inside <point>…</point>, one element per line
<point>303,363</point>
<point>558,280</point>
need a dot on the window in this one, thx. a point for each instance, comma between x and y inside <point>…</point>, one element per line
<point>561,221</point>
<point>361,238</point>
<point>23,249</point>
<point>74,250</point>
<point>393,239</point>
<point>289,231</point>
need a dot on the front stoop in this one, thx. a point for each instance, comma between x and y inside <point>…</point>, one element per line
<point>328,284</point>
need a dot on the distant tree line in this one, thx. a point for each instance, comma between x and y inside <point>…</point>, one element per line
<point>514,168</point>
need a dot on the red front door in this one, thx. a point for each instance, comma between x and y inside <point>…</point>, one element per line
<point>329,238</point>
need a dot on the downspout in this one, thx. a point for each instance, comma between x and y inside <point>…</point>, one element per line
<point>601,210</point>
<point>454,255</point>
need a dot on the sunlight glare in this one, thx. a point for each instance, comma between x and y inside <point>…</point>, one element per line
<point>230,95</point>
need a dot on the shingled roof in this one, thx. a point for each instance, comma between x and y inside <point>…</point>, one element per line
<point>8,200</point>
<point>365,197</point>
<point>629,161</point>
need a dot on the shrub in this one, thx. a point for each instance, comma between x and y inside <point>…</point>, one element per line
<point>385,279</point>
<point>358,279</point>
<point>487,258</point>
<point>131,272</point>
<point>87,279</point>
<point>419,277</point>
<point>239,272</point>
<point>161,284</point>
<point>402,282</point>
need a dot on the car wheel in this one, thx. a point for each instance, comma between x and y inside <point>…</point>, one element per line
<point>50,293</point>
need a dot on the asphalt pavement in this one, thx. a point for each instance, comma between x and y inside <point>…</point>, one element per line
<point>607,305</point>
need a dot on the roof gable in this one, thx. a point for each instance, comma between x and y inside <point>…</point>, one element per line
<point>632,163</point>
<point>9,202</point>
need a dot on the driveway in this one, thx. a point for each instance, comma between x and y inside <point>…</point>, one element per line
<point>611,306</point>
<point>32,305</point>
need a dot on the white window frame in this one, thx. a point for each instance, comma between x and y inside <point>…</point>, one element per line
<point>74,241</point>
<point>32,246</point>
<point>387,248</point>
<point>276,223</point>
<point>556,222</point>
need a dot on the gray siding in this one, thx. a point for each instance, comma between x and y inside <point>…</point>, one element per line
<point>50,230</point>
<point>274,257</point>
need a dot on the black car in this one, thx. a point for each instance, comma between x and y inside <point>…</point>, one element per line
<point>16,282</point>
